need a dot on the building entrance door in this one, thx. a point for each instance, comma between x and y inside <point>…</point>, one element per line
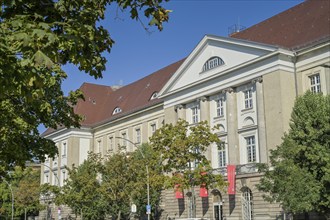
<point>217,205</point>
<point>218,211</point>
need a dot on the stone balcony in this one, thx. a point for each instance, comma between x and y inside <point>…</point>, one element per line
<point>240,169</point>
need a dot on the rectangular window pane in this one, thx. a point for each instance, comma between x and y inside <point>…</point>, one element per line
<point>124,141</point>
<point>248,99</point>
<point>222,155</point>
<point>315,83</point>
<point>110,146</point>
<point>194,112</point>
<point>220,107</point>
<point>153,128</point>
<point>251,149</point>
<point>138,135</point>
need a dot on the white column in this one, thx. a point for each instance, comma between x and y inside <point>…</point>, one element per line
<point>232,135</point>
<point>263,149</point>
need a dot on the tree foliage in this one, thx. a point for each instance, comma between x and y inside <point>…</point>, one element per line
<point>110,185</point>
<point>25,185</point>
<point>82,191</point>
<point>299,172</point>
<point>183,150</point>
<point>38,37</point>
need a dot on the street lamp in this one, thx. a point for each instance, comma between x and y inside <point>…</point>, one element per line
<point>12,198</point>
<point>147,170</point>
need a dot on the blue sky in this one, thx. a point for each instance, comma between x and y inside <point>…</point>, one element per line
<point>137,53</point>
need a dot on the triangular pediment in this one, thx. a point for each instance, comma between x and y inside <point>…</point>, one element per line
<point>214,56</point>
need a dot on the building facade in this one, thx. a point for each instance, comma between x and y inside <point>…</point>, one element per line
<point>246,84</point>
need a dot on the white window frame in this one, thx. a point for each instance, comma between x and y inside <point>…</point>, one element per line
<point>220,107</point>
<point>98,149</point>
<point>116,110</point>
<point>138,135</point>
<point>55,179</point>
<point>110,143</point>
<point>315,83</point>
<point>64,149</point>
<point>46,178</point>
<point>194,114</point>
<point>153,128</point>
<point>251,149</point>
<point>247,204</point>
<point>124,138</point>
<point>222,154</point>
<point>243,146</point>
<point>248,98</point>
<point>63,176</point>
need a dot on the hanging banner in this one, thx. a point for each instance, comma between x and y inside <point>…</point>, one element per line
<point>231,172</point>
<point>178,192</point>
<point>203,191</point>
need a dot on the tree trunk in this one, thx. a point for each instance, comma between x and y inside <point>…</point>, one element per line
<point>119,214</point>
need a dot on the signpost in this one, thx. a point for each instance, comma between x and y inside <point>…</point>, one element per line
<point>133,208</point>
<point>148,209</point>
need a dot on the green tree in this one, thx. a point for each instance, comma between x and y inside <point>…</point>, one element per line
<point>81,191</point>
<point>182,148</point>
<point>117,185</point>
<point>38,37</point>
<point>25,184</point>
<point>299,173</point>
<point>141,159</point>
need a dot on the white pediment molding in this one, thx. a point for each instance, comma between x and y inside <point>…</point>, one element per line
<point>234,52</point>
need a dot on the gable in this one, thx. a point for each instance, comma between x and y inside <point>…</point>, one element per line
<point>228,53</point>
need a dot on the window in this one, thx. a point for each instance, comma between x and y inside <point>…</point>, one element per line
<point>195,163</point>
<point>220,107</point>
<point>99,146</point>
<point>212,63</point>
<point>154,95</point>
<point>194,114</point>
<point>248,99</point>
<point>138,135</point>
<point>315,83</point>
<point>124,137</point>
<point>64,150</point>
<point>153,128</point>
<point>222,154</point>
<point>55,180</point>
<point>247,209</point>
<point>251,149</point>
<point>46,180</point>
<point>116,111</point>
<point>63,177</point>
<point>110,144</point>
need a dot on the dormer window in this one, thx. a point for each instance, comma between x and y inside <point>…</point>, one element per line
<point>116,111</point>
<point>154,95</point>
<point>212,63</point>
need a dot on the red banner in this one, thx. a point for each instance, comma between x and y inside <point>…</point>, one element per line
<point>178,192</point>
<point>231,172</point>
<point>203,191</point>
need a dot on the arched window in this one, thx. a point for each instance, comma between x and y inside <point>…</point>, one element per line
<point>217,205</point>
<point>154,95</point>
<point>247,204</point>
<point>212,63</point>
<point>116,111</point>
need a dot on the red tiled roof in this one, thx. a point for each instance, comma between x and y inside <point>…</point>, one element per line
<point>100,101</point>
<point>137,95</point>
<point>301,25</point>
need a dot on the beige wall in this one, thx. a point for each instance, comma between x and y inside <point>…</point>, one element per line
<point>279,95</point>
